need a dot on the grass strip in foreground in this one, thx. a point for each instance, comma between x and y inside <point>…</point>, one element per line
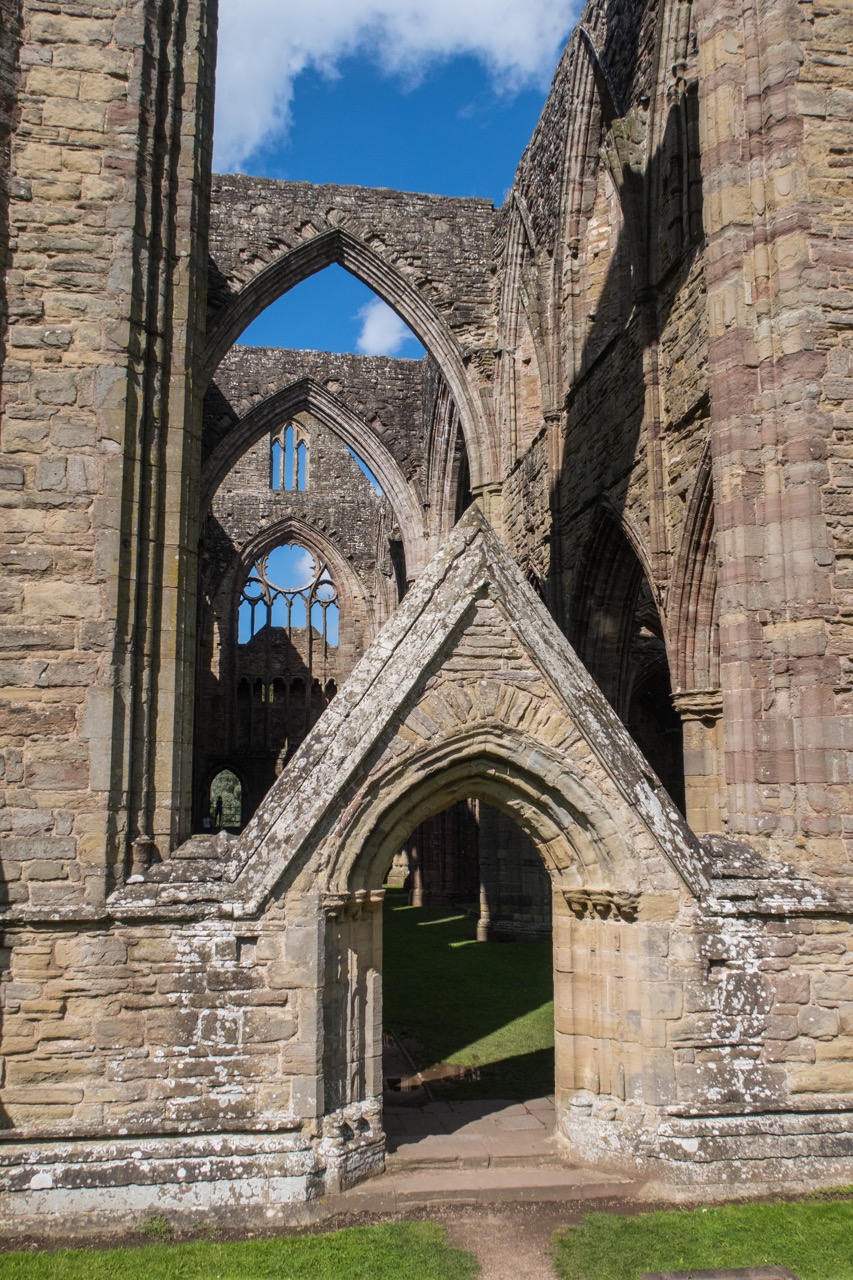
<point>814,1239</point>
<point>390,1251</point>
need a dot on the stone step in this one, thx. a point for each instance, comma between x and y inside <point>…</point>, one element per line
<point>409,1189</point>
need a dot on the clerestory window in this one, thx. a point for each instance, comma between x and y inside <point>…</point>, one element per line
<point>289,458</point>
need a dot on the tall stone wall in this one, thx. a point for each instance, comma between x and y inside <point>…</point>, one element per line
<point>102,264</point>
<point>639,370</point>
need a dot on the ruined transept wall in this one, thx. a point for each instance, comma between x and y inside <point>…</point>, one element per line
<point>719,450</point>
<point>638,369</point>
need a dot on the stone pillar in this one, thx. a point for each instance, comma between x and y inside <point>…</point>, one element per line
<point>352,999</point>
<point>701,714</point>
<point>105,264</point>
<point>772,209</point>
<point>488,885</point>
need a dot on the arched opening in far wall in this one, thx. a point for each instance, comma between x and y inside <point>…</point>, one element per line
<point>618,632</point>
<point>338,246</point>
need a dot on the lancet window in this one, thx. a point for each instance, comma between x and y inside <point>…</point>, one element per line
<point>289,458</point>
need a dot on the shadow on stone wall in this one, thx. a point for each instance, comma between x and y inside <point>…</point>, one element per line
<point>609,419</point>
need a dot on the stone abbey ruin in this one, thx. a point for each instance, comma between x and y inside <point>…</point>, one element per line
<point>581,641</point>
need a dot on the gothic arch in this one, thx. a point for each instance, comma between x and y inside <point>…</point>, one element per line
<point>579,841</point>
<point>606,595</point>
<point>294,529</point>
<point>307,396</point>
<point>521,317</point>
<point>351,253</point>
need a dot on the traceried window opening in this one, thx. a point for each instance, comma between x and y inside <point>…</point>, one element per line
<point>288,589</point>
<point>289,459</point>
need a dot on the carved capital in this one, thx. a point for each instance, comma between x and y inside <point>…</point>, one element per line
<point>592,904</point>
<point>338,906</point>
<point>699,704</point>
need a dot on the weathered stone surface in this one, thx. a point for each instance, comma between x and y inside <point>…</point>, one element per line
<point>639,369</point>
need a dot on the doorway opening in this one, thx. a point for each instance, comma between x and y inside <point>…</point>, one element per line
<point>226,802</point>
<point>468,986</point>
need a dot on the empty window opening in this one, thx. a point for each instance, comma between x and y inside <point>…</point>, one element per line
<point>289,459</point>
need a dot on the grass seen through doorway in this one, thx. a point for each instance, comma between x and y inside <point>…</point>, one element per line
<point>484,1005</point>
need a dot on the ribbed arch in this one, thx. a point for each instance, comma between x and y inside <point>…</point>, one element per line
<point>341,247</point>
<point>307,396</point>
<point>693,593</point>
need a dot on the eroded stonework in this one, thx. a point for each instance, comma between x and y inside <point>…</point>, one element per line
<point>636,646</point>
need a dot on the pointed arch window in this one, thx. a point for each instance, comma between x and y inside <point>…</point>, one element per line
<point>289,451</point>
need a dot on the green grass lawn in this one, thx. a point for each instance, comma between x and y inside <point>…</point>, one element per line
<point>814,1239</point>
<point>392,1251</point>
<point>488,1005</point>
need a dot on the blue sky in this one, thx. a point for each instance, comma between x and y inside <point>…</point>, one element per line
<point>438,96</point>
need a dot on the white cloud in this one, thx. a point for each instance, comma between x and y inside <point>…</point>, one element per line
<point>265,44</point>
<point>291,566</point>
<point>382,332</point>
<point>303,568</point>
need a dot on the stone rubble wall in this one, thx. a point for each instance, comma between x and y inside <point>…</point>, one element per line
<point>384,393</point>
<point>441,244</point>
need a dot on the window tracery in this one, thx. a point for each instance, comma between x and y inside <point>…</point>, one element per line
<point>274,596</point>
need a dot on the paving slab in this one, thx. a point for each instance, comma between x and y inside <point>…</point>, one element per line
<point>399,1190</point>
<point>476,1133</point>
<point>741,1273</point>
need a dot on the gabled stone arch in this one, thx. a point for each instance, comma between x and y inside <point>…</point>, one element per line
<point>469,689</point>
<point>546,796</point>
<point>341,247</point>
<point>308,396</point>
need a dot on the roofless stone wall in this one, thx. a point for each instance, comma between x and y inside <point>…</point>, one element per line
<point>639,371</point>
